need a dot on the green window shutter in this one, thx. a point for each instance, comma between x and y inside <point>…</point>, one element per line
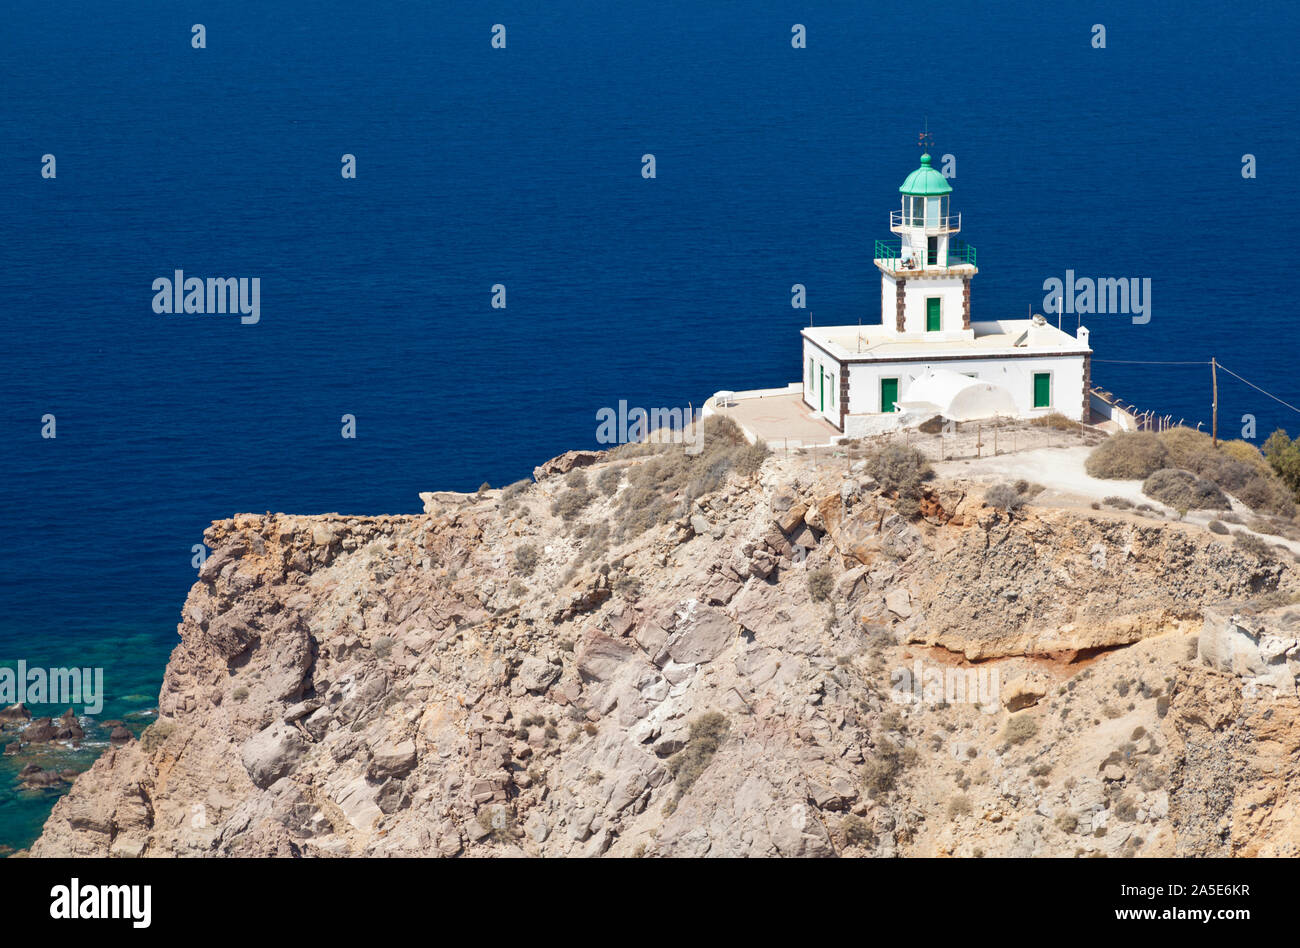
<point>1042,390</point>
<point>932,318</point>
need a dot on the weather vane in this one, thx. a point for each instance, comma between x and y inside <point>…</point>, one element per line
<point>925,141</point>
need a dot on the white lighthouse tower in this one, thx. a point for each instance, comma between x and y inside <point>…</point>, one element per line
<point>925,275</point>
<point>927,356</point>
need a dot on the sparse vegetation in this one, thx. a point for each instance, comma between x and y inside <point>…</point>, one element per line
<point>1019,729</point>
<point>820,583</point>
<point>856,831</point>
<point>1055,420</point>
<point>1236,467</point>
<point>664,485</point>
<point>382,646</point>
<point>1283,456</point>
<point>898,467</point>
<point>901,469</point>
<point>959,805</point>
<point>628,586</point>
<point>1183,490</point>
<point>881,770</point>
<point>1219,527</point>
<point>608,481</point>
<point>1129,455</point>
<point>526,558</point>
<point>571,503</point>
<point>707,732</point>
<point>155,734</point>
<point>1249,543</point>
<point>1004,497</point>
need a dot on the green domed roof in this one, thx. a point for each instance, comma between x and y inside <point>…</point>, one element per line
<point>925,181</point>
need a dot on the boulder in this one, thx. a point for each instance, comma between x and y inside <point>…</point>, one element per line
<point>702,636</point>
<point>272,753</point>
<point>40,731</point>
<point>1024,692</point>
<point>566,462</point>
<point>537,674</point>
<point>599,655</point>
<point>14,713</point>
<point>392,760</point>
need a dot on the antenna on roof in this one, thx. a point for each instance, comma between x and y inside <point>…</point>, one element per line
<point>925,141</point>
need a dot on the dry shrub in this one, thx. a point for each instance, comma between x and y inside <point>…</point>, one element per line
<point>1183,490</point>
<point>1129,455</point>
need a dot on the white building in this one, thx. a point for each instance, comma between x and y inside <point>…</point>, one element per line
<point>926,356</point>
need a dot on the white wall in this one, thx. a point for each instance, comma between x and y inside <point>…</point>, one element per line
<point>1015,375</point>
<point>915,292</point>
<point>822,364</point>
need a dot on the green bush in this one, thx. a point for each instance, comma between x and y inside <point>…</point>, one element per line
<point>1219,528</point>
<point>1129,455</point>
<point>1283,456</point>
<point>1183,490</point>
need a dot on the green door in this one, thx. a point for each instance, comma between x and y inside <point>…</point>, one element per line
<point>821,376</point>
<point>888,394</point>
<point>1042,390</point>
<point>932,322</point>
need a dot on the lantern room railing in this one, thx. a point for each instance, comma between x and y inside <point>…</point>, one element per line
<point>889,255</point>
<point>934,225</point>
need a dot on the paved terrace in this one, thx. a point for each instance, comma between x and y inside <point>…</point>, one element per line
<point>777,416</point>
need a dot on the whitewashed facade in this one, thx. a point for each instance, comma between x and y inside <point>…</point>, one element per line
<point>857,377</point>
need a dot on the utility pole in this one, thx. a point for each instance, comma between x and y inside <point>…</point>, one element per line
<point>1214,408</point>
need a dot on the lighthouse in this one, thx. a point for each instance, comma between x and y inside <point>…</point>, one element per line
<point>925,274</point>
<point>929,354</point>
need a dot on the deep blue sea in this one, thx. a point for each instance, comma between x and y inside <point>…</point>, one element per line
<point>522,166</point>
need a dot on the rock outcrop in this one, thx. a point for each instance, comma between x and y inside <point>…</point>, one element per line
<point>725,683</point>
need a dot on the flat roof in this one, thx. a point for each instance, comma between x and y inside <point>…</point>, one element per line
<point>1005,337</point>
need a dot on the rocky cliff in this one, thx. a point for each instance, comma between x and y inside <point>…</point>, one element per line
<point>565,668</point>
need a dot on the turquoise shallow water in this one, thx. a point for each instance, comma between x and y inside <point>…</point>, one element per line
<point>522,166</point>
